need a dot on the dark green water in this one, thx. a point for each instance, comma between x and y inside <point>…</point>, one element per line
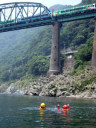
<point>23,112</point>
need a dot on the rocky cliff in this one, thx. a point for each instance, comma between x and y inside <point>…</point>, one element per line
<point>81,84</point>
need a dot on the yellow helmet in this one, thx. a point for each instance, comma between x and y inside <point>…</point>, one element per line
<point>42,105</point>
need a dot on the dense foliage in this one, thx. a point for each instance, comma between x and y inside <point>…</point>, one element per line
<point>25,52</point>
<point>83,57</point>
<point>39,65</point>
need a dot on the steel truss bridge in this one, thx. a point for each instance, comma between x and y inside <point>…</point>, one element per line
<point>11,12</point>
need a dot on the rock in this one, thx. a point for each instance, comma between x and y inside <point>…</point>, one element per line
<point>85,94</point>
<point>52,92</point>
<point>44,92</point>
<point>59,93</point>
<point>10,89</point>
<point>19,92</point>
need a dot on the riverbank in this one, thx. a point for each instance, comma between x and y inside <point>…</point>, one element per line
<point>81,84</point>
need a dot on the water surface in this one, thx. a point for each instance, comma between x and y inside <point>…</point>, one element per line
<point>23,112</point>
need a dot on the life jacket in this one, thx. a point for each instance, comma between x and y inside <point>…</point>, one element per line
<point>68,108</point>
<point>43,108</point>
<point>64,109</point>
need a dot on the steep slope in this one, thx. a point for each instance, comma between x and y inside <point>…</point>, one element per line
<point>14,44</point>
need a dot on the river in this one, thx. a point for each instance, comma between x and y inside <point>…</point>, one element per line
<point>22,112</point>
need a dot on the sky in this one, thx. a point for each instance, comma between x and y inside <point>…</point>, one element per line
<point>47,3</point>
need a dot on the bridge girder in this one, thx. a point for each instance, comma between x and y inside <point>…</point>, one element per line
<point>15,10</point>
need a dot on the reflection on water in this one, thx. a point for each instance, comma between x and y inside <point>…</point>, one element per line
<point>23,112</point>
<point>42,112</point>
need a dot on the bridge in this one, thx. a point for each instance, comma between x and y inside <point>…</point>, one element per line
<point>38,15</point>
<point>12,13</point>
<point>22,15</point>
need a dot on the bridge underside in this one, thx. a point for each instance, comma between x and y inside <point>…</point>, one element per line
<point>25,26</point>
<point>12,27</point>
<point>76,17</point>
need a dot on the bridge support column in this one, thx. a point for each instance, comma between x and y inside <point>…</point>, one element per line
<point>55,50</point>
<point>93,63</point>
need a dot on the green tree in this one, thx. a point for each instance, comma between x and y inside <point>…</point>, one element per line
<point>79,39</point>
<point>39,65</point>
<point>84,54</point>
<point>5,76</point>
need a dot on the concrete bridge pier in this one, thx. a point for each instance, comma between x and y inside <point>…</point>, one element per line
<point>55,50</point>
<point>93,63</point>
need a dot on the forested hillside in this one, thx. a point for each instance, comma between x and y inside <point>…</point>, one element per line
<point>15,43</point>
<point>25,52</point>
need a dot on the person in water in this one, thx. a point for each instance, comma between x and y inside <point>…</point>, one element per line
<point>58,107</point>
<point>42,106</point>
<point>68,107</point>
<point>65,108</point>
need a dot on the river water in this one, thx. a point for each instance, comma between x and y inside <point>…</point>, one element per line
<point>22,112</point>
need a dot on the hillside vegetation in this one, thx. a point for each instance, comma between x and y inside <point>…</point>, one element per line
<point>25,53</point>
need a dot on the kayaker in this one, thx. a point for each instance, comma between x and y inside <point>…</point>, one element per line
<point>42,106</point>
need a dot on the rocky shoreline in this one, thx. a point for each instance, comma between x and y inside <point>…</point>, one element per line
<point>80,85</point>
<point>66,85</point>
